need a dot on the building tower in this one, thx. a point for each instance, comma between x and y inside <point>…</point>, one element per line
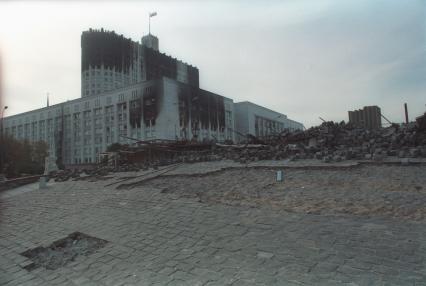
<point>108,61</point>
<point>150,41</point>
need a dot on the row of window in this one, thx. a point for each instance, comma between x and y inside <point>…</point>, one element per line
<point>106,72</point>
<point>264,126</point>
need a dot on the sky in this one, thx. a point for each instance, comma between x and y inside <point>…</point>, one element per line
<point>306,59</point>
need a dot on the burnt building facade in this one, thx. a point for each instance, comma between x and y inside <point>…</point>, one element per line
<point>130,91</point>
<point>80,129</point>
<point>110,61</point>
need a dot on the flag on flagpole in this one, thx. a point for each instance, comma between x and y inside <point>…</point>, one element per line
<point>152,14</point>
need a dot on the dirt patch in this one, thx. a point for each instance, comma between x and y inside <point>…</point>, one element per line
<point>63,251</point>
<point>394,191</point>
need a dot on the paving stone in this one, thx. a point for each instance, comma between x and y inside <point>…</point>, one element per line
<point>175,242</point>
<point>265,255</point>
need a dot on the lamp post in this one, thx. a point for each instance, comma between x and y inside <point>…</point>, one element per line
<point>1,141</point>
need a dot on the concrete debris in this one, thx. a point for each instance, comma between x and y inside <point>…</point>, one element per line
<point>330,142</point>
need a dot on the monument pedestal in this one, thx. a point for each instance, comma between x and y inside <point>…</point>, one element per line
<point>50,165</point>
<point>42,184</point>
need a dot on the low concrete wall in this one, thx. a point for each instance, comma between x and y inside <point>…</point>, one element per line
<point>17,182</point>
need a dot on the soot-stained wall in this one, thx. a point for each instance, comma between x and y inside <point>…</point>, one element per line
<point>151,104</point>
<point>135,113</point>
<point>216,106</point>
<point>158,65</point>
<point>202,108</point>
<point>193,76</point>
<point>103,47</point>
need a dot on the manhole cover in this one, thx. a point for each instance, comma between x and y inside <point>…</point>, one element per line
<point>62,251</point>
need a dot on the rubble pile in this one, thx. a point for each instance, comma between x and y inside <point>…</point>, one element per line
<point>329,142</point>
<point>65,175</point>
<point>124,165</point>
<point>334,142</point>
<point>98,171</point>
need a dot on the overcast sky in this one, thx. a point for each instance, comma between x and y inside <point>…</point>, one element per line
<point>303,58</point>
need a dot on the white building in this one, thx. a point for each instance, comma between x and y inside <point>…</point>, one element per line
<point>84,127</point>
<point>131,92</point>
<point>260,121</point>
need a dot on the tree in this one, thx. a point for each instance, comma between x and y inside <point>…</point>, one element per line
<point>39,152</point>
<point>23,157</point>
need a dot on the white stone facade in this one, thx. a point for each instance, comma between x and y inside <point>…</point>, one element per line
<point>82,128</point>
<point>259,121</point>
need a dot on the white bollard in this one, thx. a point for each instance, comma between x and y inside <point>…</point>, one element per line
<point>280,176</point>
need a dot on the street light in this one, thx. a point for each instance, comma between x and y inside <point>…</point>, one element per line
<point>1,140</point>
<point>2,113</point>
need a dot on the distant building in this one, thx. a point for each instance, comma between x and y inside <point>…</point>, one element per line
<point>369,117</point>
<point>259,121</point>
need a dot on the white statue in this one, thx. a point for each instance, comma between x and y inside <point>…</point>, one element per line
<point>50,161</point>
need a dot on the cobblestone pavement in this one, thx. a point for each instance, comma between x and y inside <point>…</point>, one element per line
<point>159,239</point>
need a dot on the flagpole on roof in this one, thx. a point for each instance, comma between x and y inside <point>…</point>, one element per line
<point>151,14</point>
